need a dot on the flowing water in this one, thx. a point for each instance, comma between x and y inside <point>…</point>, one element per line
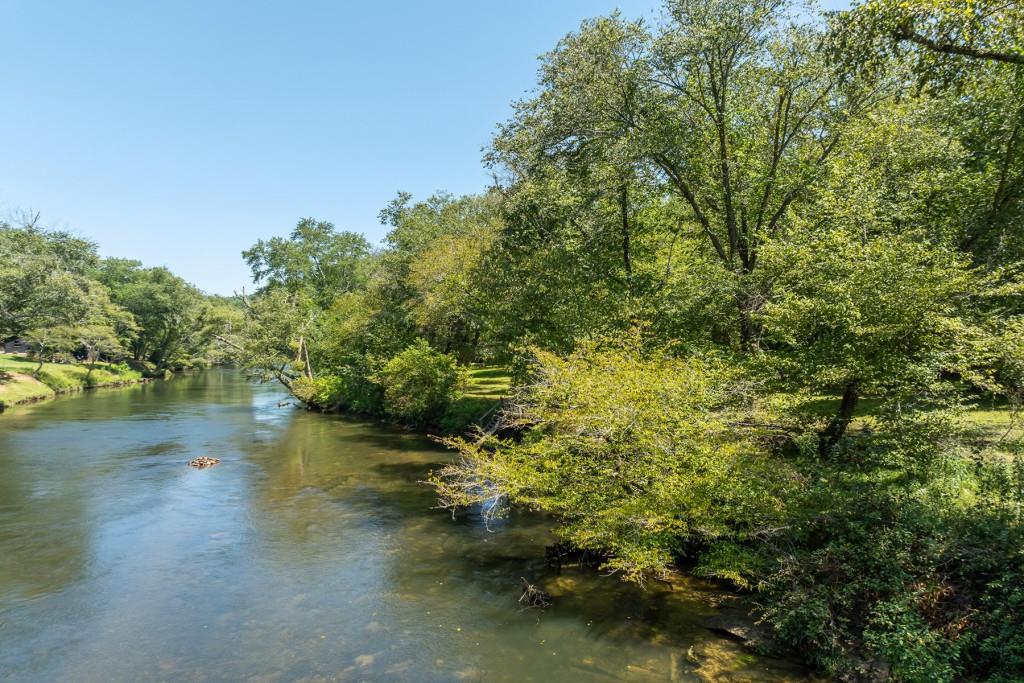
<point>312,552</point>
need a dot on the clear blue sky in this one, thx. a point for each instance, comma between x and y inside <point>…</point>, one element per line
<point>179,133</point>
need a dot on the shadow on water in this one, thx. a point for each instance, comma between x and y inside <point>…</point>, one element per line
<point>311,552</point>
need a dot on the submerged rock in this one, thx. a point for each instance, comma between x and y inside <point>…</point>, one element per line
<point>739,627</point>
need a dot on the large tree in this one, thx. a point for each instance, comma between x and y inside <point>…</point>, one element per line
<point>315,258</point>
<point>730,103</point>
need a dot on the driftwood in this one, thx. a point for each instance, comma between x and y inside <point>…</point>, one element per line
<point>533,596</point>
<point>203,462</point>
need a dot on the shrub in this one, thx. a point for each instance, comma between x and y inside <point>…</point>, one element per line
<point>635,454</point>
<point>351,388</point>
<point>324,392</point>
<point>465,412</point>
<point>420,384</point>
<point>916,577</point>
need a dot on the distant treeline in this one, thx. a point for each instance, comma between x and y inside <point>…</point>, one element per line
<point>67,303</point>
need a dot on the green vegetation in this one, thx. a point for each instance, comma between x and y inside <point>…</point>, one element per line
<point>24,380</point>
<point>757,276</point>
<point>81,314</point>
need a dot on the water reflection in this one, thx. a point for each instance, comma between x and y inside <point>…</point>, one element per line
<point>312,552</point>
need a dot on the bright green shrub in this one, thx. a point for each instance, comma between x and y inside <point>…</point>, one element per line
<point>323,392</point>
<point>635,454</point>
<point>420,384</point>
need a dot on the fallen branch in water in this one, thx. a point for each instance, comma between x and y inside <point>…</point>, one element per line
<point>533,596</point>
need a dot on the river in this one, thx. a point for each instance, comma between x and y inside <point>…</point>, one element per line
<point>312,552</point>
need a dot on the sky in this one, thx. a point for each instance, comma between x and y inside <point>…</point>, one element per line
<point>179,133</point>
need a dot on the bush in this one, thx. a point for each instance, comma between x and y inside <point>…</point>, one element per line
<point>351,388</point>
<point>915,578</point>
<point>420,384</point>
<point>324,392</point>
<point>464,413</point>
<point>635,455</point>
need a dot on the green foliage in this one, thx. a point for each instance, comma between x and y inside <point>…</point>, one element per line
<point>633,452</point>
<point>63,299</point>
<point>175,324</point>
<point>324,392</point>
<point>944,37</point>
<point>315,259</point>
<point>420,384</point>
<point>45,279</point>
<point>853,316</point>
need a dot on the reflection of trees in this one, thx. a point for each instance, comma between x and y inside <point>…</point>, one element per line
<point>50,474</point>
<point>319,465</point>
<point>43,520</point>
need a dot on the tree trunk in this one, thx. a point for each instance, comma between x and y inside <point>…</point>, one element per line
<point>627,252</point>
<point>830,436</point>
<point>750,329</point>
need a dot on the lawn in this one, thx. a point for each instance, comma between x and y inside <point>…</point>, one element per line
<point>486,385</point>
<point>19,388</point>
<point>993,419</point>
<point>488,381</point>
<point>19,382</point>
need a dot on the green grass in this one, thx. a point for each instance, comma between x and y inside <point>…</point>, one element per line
<point>17,384</point>
<point>994,419</point>
<point>486,385</point>
<point>488,381</point>
<point>17,388</point>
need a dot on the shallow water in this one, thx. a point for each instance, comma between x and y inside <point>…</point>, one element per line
<point>311,552</point>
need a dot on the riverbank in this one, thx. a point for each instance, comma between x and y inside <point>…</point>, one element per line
<point>20,382</point>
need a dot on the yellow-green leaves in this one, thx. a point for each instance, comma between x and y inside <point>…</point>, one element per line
<point>637,452</point>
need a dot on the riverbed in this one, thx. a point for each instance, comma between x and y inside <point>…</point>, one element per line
<point>311,552</point>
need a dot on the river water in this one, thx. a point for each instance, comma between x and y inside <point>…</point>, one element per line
<point>312,552</point>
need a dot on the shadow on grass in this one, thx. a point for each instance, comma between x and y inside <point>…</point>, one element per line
<point>489,373</point>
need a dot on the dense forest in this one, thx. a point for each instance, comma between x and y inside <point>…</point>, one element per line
<point>69,304</point>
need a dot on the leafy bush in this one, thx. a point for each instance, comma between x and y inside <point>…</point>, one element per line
<point>910,568</point>
<point>634,452</point>
<point>350,388</point>
<point>322,392</point>
<point>420,384</point>
<point>463,413</point>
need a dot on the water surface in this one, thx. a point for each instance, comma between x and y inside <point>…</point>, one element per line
<point>312,552</point>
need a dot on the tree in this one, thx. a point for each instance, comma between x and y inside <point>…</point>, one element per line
<point>429,282</point>
<point>940,34</point>
<point>44,276</point>
<point>315,258</point>
<point>883,316</point>
<point>729,102</point>
<point>175,321</point>
<point>273,339</point>
<point>964,58</point>
<point>634,453</point>
<point>98,341</point>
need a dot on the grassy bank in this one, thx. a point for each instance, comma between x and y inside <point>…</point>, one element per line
<point>485,387</point>
<point>21,383</point>
<point>992,419</point>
